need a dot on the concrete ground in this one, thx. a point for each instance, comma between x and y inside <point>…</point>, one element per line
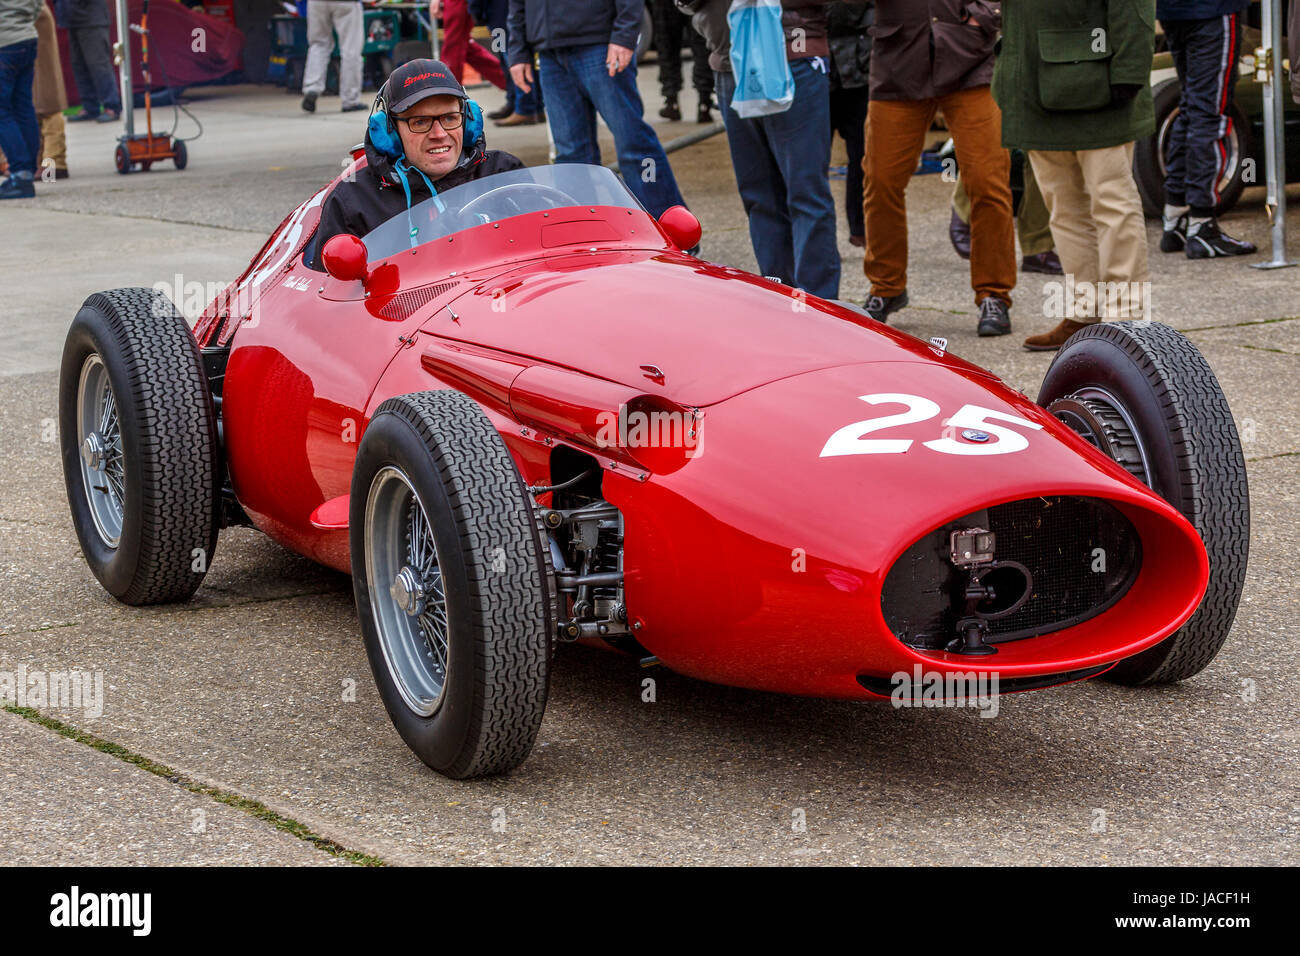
<point>257,693</point>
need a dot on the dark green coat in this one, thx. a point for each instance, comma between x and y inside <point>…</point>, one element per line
<point>1057,64</point>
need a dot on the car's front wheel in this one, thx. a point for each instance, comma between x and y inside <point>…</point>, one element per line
<point>452,584</point>
<point>138,435</point>
<point>1143,394</point>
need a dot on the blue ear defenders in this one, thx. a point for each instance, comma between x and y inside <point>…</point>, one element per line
<point>473,122</point>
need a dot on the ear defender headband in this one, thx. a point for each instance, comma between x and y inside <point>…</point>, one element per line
<point>380,127</point>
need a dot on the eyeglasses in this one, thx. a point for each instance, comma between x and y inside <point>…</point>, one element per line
<point>422,124</point>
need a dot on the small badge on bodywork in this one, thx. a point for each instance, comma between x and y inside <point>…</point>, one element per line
<point>939,344</point>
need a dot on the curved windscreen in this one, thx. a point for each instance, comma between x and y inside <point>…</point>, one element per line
<point>498,197</point>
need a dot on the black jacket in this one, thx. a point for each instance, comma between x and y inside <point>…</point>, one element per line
<point>376,195</point>
<point>535,25</point>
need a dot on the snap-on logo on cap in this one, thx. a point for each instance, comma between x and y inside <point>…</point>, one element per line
<point>422,76</point>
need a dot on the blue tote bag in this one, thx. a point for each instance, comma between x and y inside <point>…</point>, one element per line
<point>763,81</point>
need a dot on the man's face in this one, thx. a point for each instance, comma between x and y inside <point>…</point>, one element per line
<point>436,152</point>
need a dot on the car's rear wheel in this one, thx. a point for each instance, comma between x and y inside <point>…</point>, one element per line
<point>452,584</point>
<point>138,437</point>
<point>1143,394</point>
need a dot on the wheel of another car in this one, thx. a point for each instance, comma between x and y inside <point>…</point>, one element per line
<point>1143,394</point>
<point>138,439</point>
<point>1150,157</point>
<point>453,584</point>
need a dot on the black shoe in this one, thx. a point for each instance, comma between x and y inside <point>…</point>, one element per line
<point>502,113</point>
<point>879,306</point>
<point>353,107</point>
<point>959,235</point>
<point>108,116</point>
<point>1048,263</point>
<point>671,111</point>
<point>1174,237</point>
<point>705,114</point>
<point>309,102</point>
<point>995,318</point>
<point>1207,241</point>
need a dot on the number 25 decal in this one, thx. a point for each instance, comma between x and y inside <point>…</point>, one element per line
<point>851,440</point>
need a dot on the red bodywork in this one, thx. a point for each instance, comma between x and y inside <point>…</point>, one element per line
<point>753,562</point>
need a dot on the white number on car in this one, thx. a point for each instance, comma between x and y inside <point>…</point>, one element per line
<point>972,422</point>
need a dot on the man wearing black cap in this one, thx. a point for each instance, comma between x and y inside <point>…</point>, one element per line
<point>416,144</point>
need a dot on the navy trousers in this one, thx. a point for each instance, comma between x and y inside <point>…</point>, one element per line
<point>780,162</point>
<point>1205,55</point>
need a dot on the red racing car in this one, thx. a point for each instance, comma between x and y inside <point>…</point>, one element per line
<point>523,415</point>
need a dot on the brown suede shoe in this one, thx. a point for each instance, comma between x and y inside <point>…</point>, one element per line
<point>521,119</point>
<point>1053,340</point>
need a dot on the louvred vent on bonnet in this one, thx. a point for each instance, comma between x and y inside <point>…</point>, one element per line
<point>404,305</point>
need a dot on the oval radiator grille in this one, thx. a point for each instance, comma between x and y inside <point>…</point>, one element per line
<point>1082,552</point>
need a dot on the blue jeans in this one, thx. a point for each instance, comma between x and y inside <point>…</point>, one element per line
<point>578,86</point>
<point>780,162</point>
<point>20,134</point>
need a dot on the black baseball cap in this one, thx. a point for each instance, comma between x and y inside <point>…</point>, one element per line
<point>417,80</point>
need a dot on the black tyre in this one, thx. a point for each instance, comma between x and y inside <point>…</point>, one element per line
<point>1150,154</point>
<point>1143,393</point>
<point>452,584</point>
<point>138,436</point>
<point>180,154</point>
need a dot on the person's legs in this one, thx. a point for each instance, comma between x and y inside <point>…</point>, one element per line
<point>54,142</point>
<point>762,190</point>
<point>497,16</point>
<point>1033,221</point>
<point>572,117</point>
<point>81,75</point>
<point>1176,34</point>
<point>1116,208</point>
<point>320,39</point>
<point>349,22</point>
<point>19,131</point>
<point>1213,48</point>
<point>668,45</point>
<point>849,119</point>
<point>895,135</point>
<point>1065,193</point>
<point>800,141</point>
<point>641,158</point>
<point>701,72</point>
<point>98,52</point>
<point>488,66</point>
<point>976,125</point>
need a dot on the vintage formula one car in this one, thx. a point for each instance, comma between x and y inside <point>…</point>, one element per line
<point>523,415</point>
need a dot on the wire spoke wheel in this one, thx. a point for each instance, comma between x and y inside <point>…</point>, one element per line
<point>410,608</point>
<point>103,465</point>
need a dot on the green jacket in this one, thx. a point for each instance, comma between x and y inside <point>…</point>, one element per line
<point>1056,66</point>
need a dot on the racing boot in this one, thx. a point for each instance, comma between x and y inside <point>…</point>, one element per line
<point>1205,240</point>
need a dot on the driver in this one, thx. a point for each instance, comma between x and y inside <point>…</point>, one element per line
<point>425,136</point>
